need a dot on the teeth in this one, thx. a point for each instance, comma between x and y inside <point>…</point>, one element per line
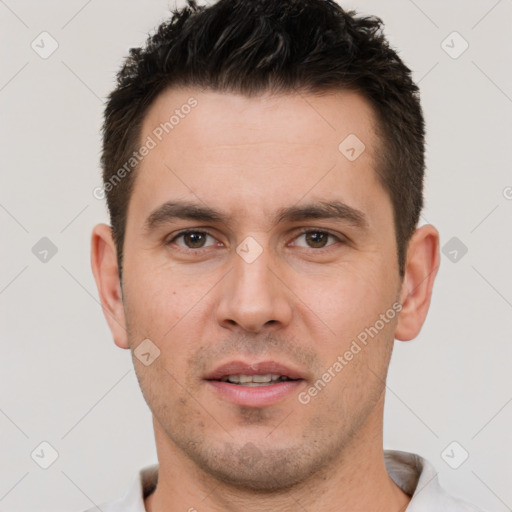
<point>254,380</point>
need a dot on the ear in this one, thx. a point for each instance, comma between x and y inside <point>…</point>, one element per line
<point>420,271</point>
<point>105,270</point>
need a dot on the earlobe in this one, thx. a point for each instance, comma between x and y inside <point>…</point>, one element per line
<point>420,271</point>
<point>105,270</point>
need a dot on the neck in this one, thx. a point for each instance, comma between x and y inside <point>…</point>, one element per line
<point>356,481</point>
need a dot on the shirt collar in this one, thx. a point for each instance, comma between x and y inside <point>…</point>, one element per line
<point>411,472</point>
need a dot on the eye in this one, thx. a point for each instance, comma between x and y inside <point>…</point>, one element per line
<point>317,239</point>
<point>191,239</point>
<point>195,240</point>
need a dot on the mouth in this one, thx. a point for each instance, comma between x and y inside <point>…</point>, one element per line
<point>255,380</point>
<point>255,384</point>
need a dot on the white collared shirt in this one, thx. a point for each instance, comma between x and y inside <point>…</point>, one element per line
<point>412,473</point>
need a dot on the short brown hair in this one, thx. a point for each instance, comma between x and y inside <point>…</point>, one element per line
<point>252,46</point>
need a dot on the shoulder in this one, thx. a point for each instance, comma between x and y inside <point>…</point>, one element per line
<point>133,500</point>
<point>417,477</point>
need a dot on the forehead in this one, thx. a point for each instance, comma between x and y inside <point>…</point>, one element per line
<point>213,119</point>
<point>266,150</point>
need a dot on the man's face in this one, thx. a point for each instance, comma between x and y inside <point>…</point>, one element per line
<point>251,293</point>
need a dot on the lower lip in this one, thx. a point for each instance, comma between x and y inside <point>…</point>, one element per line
<point>256,396</point>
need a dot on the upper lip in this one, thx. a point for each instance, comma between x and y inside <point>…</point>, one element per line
<point>254,368</point>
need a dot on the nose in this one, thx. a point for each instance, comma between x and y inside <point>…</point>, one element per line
<point>253,296</point>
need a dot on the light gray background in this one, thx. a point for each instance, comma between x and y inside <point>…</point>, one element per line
<point>62,379</point>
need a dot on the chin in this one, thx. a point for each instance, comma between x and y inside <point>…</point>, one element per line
<point>257,469</point>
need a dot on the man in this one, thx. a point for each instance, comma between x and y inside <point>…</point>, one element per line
<point>263,166</point>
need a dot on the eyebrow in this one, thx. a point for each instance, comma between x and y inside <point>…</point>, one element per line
<point>186,210</point>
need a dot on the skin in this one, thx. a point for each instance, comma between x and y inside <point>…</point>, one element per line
<point>301,302</point>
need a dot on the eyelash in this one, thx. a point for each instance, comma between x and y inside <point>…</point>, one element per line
<point>302,232</point>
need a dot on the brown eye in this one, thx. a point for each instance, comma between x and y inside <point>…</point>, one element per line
<point>191,239</point>
<point>194,240</point>
<point>316,239</point>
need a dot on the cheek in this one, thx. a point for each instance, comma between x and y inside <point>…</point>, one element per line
<point>157,303</point>
<point>347,300</point>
